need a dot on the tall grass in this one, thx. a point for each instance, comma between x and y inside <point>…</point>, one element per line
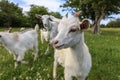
<point>104,48</point>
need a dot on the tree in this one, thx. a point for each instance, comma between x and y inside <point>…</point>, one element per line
<point>96,10</point>
<point>114,24</point>
<point>36,10</point>
<point>42,11</point>
<point>10,14</point>
<point>56,14</point>
<point>2,18</point>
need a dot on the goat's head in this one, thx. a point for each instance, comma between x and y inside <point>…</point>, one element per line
<point>46,20</point>
<point>69,31</point>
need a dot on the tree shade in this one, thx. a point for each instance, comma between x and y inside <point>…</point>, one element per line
<point>96,10</point>
<point>11,15</point>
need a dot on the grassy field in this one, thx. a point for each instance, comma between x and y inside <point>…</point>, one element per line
<point>104,48</point>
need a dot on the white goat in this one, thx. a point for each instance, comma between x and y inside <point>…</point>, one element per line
<point>50,23</point>
<point>71,51</point>
<point>22,29</point>
<point>44,35</point>
<point>19,42</point>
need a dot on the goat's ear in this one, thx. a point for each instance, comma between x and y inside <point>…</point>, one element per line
<point>0,36</point>
<point>38,16</point>
<point>50,19</point>
<point>84,24</point>
<point>66,15</point>
<point>77,13</point>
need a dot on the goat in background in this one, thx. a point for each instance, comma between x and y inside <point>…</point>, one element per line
<point>19,42</point>
<point>50,24</point>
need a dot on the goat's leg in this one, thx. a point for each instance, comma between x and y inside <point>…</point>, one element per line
<point>19,59</point>
<point>80,78</point>
<point>15,61</point>
<point>15,57</point>
<point>47,50</point>
<point>9,51</point>
<point>16,64</point>
<point>35,51</point>
<point>67,76</point>
<point>55,70</point>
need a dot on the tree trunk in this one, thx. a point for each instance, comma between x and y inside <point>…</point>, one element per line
<point>96,24</point>
<point>96,27</point>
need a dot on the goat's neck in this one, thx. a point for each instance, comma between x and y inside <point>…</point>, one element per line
<point>49,25</point>
<point>8,42</point>
<point>79,47</point>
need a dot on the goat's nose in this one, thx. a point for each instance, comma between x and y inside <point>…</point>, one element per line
<point>45,25</point>
<point>55,42</point>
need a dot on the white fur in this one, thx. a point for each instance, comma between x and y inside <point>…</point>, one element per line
<point>9,30</point>
<point>44,35</point>
<point>50,23</point>
<point>22,29</point>
<point>71,51</point>
<point>19,42</point>
<point>50,26</point>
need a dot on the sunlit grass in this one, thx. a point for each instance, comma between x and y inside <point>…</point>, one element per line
<point>104,48</point>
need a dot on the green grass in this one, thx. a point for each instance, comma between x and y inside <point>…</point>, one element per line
<point>104,48</point>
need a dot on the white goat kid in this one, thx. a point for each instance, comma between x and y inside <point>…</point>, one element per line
<point>50,23</point>
<point>44,35</point>
<point>71,51</point>
<point>19,42</point>
<point>22,29</point>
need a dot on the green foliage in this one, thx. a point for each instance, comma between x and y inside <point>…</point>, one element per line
<point>96,10</point>
<point>36,10</point>
<point>114,24</point>
<point>41,11</point>
<point>105,54</point>
<point>3,19</point>
<point>105,51</point>
<point>56,14</point>
<point>103,26</point>
<point>92,8</point>
<point>10,14</point>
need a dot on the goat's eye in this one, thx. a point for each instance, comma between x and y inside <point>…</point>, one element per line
<point>72,30</point>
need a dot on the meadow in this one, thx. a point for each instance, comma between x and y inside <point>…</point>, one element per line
<point>104,49</point>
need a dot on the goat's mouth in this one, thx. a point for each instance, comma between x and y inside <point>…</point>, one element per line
<point>59,46</point>
<point>45,25</point>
